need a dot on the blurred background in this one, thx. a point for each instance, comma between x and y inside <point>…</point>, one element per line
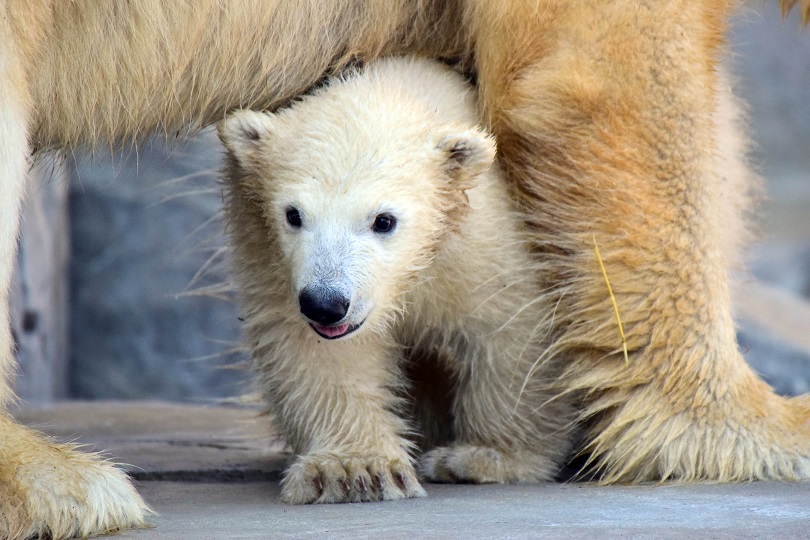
<point>129,250</point>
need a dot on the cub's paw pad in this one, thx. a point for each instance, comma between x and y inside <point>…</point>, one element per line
<point>316,479</point>
<point>465,463</point>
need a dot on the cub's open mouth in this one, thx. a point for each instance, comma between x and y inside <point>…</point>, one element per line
<point>334,332</point>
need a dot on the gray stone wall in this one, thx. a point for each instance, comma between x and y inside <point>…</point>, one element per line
<point>148,318</point>
<point>771,58</point>
<point>40,294</point>
<point>143,224</point>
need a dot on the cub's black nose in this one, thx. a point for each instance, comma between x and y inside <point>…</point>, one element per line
<point>323,306</point>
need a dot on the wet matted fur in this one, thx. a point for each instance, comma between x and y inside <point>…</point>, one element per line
<point>398,139</point>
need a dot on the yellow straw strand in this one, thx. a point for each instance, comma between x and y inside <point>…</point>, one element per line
<point>613,300</point>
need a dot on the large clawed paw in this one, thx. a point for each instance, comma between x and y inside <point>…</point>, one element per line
<point>483,465</point>
<point>315,479</point>
<point>50,490</point>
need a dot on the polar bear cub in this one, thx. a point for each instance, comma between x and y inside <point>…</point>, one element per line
<point>371,228</point>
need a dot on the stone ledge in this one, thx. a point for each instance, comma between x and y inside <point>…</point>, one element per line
<point>165,441</point>
<point>228,495</point>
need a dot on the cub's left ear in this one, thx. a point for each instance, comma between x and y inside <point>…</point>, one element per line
<point>466,153</point>
<point>244,132</point>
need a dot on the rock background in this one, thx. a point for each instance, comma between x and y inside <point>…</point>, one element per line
<point>143,225</point>
<point>146,317</point>
<point>771,59</point>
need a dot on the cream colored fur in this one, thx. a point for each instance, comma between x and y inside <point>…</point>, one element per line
<point>629,132</point>
<point>454,275</point>
<point>604,114</point>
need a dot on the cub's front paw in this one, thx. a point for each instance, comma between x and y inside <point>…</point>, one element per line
<point>338,479</point>
<point>484,465</point>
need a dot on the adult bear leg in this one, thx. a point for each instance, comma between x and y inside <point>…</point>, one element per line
<point>610,130</point>
<point>45,489</point>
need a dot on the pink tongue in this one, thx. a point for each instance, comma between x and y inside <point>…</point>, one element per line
<point>333,331</point>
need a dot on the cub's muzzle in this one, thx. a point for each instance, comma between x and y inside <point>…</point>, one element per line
<point>325,310</point>
<point>323,306</point>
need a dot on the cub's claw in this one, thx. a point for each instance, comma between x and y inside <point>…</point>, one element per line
<point>317,479</point>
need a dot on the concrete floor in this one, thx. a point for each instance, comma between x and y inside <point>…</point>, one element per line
<point>213,473</point>
<point>252,510</point>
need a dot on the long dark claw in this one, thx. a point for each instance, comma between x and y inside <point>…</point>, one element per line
<point>377,483</point>
<point>318,483</point>
<point>401,481</point>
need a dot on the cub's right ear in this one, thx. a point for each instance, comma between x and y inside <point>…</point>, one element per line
<point>466,153</point>
<point>244,133</point>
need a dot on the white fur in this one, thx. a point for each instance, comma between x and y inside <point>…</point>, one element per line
<point>401,139</point>
<point>13,167</point>
<point>590,103</point>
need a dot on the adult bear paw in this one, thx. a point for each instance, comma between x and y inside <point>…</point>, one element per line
<point>50,490</point>
<point>484,465</point>
<point>330,479</point>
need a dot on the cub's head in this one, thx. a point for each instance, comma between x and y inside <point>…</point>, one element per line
<point>356,194</point>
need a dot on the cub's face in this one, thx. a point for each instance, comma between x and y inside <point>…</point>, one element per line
<point>357,207</point>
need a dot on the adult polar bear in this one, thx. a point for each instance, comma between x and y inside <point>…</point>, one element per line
<point>606,115</point>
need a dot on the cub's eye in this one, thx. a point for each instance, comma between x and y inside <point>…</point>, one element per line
<point>384,223</point>
<point>294,217</point>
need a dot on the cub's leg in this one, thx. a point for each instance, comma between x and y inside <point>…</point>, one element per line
<point>337,409</point>
<point>510,425</point>
<point>621,122</point>
<point>45,489</point>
